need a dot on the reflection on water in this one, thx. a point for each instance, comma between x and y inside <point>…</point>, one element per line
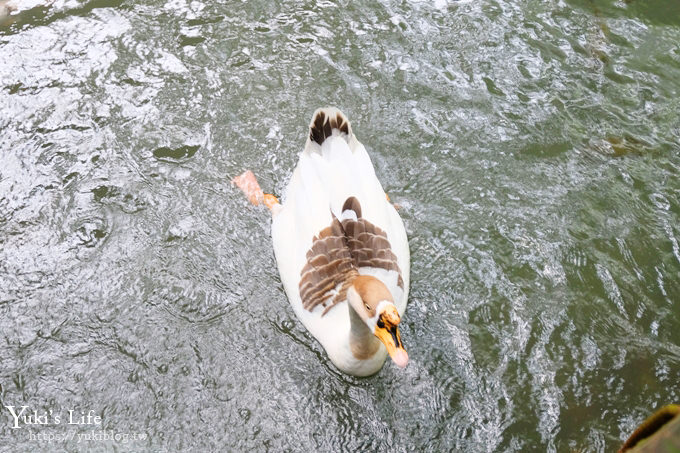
<point>533,149</point>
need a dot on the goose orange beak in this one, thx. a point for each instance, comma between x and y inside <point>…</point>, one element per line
<point>387,331</point>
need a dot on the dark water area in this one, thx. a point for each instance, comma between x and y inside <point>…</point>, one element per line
<point>534,149</point>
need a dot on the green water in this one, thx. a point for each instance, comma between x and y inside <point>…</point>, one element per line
<point>533,148</point>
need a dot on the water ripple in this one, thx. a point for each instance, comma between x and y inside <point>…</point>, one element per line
<point>534,158</point>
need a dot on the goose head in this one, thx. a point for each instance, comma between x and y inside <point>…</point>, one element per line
<point>373,303</point>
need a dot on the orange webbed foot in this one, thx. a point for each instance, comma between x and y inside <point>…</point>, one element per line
<point>247,182</point>
<point>396,206</point>
<point>250,187</point>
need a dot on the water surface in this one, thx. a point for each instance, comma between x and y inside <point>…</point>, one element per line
<point>533,148</point>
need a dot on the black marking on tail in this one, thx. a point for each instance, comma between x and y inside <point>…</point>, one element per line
<point>353,205</point>
<point>323,125</point>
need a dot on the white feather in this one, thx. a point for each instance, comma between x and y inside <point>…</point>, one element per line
<point>323,179</point>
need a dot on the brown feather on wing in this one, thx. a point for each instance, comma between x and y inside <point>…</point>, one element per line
<point>352,204</point>
<point>329,264</point>
<point>336,254</point>
<point>367,243</point>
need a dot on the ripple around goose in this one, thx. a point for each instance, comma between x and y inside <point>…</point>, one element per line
<point>341,248</point>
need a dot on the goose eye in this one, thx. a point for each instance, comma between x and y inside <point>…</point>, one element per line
<point>368,308</point>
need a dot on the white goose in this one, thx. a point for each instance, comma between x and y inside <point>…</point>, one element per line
<point>341,248</point>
